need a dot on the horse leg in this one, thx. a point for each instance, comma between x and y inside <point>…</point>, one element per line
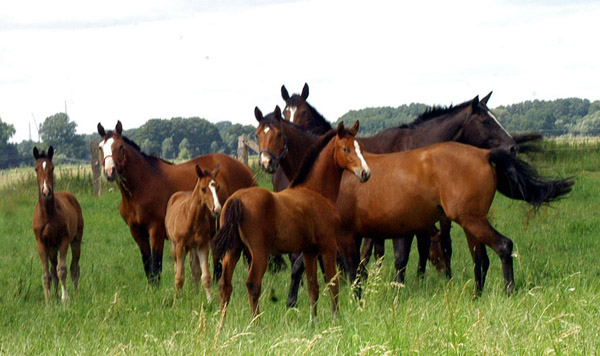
<point>180,254</point>
<point>446,241</point>
<point>53,255</point>
<point>75,255</point>
<point>257,270</point>
<point>423,245</point>
<point>225,288</point>
<point>62,269</point>
<point>401,252</point>
<point>329,262</point>
<point>296,278</point>
<point>157,238</point>
<point>195,267</point>
<point>479,232</point>
<point>202,253</point>
<point>46,278</point>
<point>347,245</point>
<point>366,251</point>
<point>140,235</point>
<point>378,249</point>
<point>310,263</point>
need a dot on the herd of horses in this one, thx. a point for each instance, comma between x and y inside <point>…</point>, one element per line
<point>331,190</point>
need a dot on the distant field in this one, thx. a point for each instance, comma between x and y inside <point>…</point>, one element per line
<point>555,310</point>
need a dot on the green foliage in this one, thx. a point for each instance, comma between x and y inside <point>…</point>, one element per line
<point>168,148</point>
<point>230,132</point>
<point>59,131</point>
<point>9,154</point>
<point>589,125</point>
<point>374,120</point>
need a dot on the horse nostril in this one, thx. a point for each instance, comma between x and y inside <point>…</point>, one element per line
<point>513,149</point>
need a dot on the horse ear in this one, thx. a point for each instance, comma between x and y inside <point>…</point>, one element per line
<point>340,128</point>
<point>101,131</point>
<point>475,104</point>
<point>199,172</point>
<point>50,152</point>
<point>277,113</point>
<point>305,91</point>
<point>485,99</point>
<point>36,152</point>
<point>284,93</point>
<point>216,170</point>
<point>354,129</point>
<point>119,127</point>
<point>258,114</point>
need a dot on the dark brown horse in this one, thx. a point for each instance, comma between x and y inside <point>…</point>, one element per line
<point>57,223</point>
<point>358,207</point>
<point>301,218</point>
<point>147,182</point>
<point>190,224</point>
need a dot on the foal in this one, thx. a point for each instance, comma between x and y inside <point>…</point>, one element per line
<point>301,218</point>
<point>190,223</point>
<point>57,222</point>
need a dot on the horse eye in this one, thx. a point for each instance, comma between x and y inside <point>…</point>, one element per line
<point>203,190</point>
<point>346,150</point>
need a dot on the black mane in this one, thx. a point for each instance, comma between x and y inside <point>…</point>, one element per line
<point>310,157</point>
<point>437,111</point>
<point>152,158</point>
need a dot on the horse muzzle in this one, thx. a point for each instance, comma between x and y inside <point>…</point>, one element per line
<point>363,175</point>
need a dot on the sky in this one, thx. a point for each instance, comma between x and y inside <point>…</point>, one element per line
<point>110,60</point>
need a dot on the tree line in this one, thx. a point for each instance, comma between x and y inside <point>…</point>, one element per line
<point>183,138</point>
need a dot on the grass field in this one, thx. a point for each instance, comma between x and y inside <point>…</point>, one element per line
<point>555,310</point>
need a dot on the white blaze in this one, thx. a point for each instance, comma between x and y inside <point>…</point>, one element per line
<point>44,165</point>
<point>264,159</point>
<point>360,156</point>
<point>292,111</point>
<point>211,186</point>
<point>267,129</point>
<point>109,163</point>
<point>498,122</point>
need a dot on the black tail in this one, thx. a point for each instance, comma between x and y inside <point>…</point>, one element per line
<point>228,237</point>
<point>518,179</point>
<point>527,142</point>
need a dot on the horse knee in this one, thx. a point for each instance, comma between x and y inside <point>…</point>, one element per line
<point>62,272</point>
<point>253,289</point>
<point>504,248</point>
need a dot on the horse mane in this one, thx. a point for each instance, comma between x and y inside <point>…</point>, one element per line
<point>151,158</point>
<point>320,125</point>
<point>434,112</point>
<point>310,157</point>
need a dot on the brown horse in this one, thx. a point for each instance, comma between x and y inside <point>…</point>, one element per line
<point>147,182</point>
<point>390,208</point>
<point>190,224</point>
<point>57,223</point>
<point>301,218</point>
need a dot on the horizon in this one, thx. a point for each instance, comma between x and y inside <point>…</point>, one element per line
<point>138,61</point>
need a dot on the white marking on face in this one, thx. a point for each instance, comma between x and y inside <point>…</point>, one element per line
<point>264,159</point>
<point>267,129</point>
<point>44,165</point>
<point>213,190</point>
<point>363,163</point>
<point>109,163</point>
<point>292,111</point>
<point>45,189</point>
<point>498,122</point>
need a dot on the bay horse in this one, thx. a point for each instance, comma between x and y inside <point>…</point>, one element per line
<point>301,218</point>
<point>190,224</point>
<point>147,182</point>
<point>516,179</point>
<point>57,223</point>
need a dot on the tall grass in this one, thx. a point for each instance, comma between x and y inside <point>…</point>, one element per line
<point>555,310</point>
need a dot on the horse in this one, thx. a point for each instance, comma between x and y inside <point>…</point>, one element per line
<point>190,224</point>
<point>146,183</point>
<point>301,218</point>
<point>57,223</point>
<point>470,122</point>
<point>381,211</point>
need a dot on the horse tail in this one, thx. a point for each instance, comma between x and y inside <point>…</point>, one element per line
<point>228,237</point>
<point>518,179</point>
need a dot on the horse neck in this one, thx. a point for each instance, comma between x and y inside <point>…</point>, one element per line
<point>439,129</point>
<point>325,175</point>
<point>137,170</point>
<point>47,205</point>
<point>196,207</point>
<point>298,142</point>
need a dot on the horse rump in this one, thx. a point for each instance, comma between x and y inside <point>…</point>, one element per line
<point>520,180</point>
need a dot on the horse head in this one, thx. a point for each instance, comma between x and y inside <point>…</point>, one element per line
<point>112,150</point>
<point>272,141</point>
<point>208,187</point>
<point>482,128</point>
<point>348,154</point>
<point>44,169</point>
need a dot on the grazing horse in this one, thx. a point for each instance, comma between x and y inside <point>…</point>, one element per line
<point>470,122</point>
<point>190,224</point>
<point>301,218</point>
<point>57,223</point>
<point>388,209</point>
<point>147,182</point>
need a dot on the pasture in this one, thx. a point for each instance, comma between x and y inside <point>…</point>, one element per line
<point>554,310</point>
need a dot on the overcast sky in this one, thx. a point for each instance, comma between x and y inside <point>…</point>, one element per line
<point>136,60</point>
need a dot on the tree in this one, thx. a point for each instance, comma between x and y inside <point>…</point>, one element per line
<point>9,155</point>
<point>59,131</point>
<point>589,125</point>
<point>184,150</point>
<point>168,148</point>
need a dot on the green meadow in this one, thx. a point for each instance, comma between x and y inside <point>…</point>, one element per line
<point>555,309</point>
